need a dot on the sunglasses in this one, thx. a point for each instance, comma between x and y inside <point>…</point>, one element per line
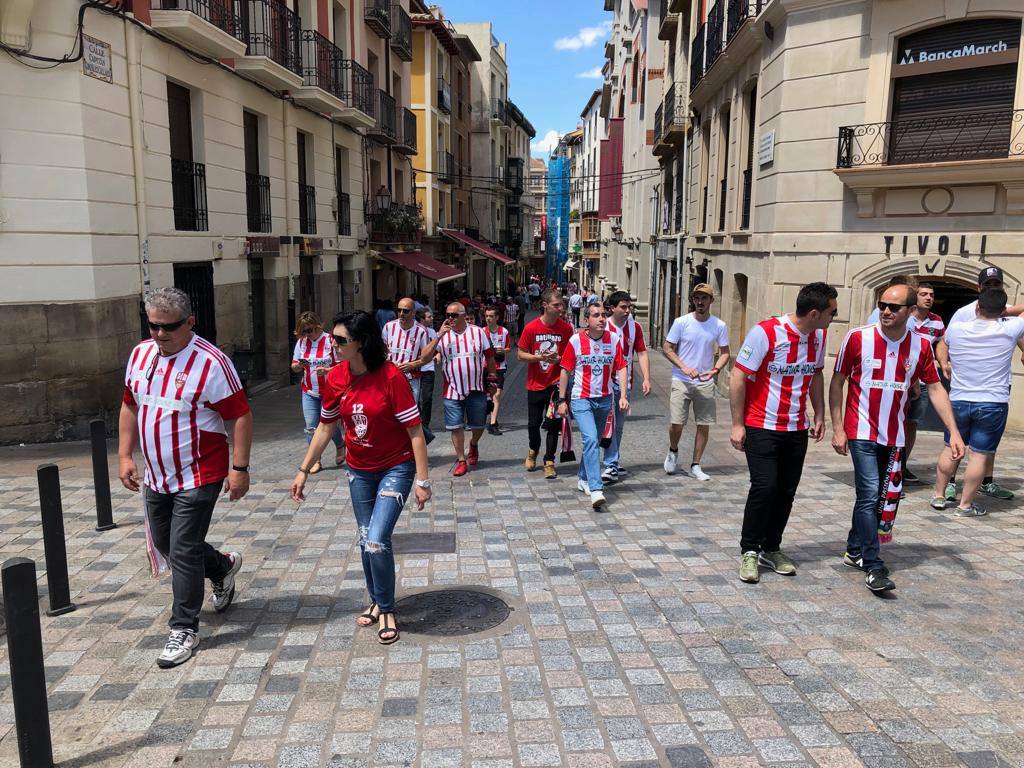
<point>894,308</point>
<point>168,327</point>
<point>454,315</point>
<point>404,311</point>
<point>341,341</point>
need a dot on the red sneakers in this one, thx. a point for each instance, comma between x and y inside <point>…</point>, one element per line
<point>474,454</point>
<point>461,468</point>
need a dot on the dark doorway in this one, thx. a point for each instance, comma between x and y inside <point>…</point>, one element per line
<point>258,313</point>
<point>307,285</point>
<point>196,280</point>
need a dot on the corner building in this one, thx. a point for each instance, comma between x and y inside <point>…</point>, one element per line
<point>850,142</point>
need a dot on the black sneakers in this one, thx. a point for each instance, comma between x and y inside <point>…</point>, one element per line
<point>878,580</point>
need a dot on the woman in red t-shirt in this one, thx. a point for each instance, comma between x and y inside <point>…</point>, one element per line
<point>386,452</point>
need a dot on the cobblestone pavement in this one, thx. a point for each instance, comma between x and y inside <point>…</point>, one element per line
<point>630,640</point>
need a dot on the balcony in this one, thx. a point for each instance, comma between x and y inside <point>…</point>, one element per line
<point>677,6</point>
<point>384,128</point>
<point>307,209</point>
<point>512,237</point>
<point>669,23</point>
<point>357,94</point>
<point>406,143</point>
<point>498,112</point>
<point>399,224</point>
<point>713,46</point>
<point>514,174</point>
<point>210,27</point>
<point>401,38</point>
<point>444,96</point>
<point>670,122</point>
<point>740,12</point>
<point>980,150</point>
<point>445,167</point>
<point>188,190</point>
<point>273,33</point>
<point>378,18</point>
<point>322,63</point>
<point>498,176</point>
<point>344,214</point>
<point>257,202</point>
<point>697,56</point>
<point>730,38</point>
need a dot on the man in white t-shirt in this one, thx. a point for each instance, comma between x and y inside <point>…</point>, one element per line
<point>981,352</point>
<point>575,305</point>
<point>989,277</point>
<point>690,347</point>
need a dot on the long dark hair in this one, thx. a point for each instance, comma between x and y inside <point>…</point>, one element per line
<point>363,328</point>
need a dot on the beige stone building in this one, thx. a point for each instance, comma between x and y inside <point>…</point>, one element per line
<point>847,141</point>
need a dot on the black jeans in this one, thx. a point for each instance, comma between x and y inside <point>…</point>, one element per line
<point>537,404</point>
<point>178,524</point>
<point>776,461</point>
<point>426,397</point>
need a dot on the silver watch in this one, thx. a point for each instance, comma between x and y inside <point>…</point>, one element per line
<point>423,483</point>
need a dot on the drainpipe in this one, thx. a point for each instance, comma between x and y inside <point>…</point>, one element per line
<point>289,208</point>
<point>133,58</point>
<point>682,247</point>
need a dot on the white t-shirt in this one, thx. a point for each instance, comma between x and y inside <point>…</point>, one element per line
<point>967,313</point>
<point>575,301</point>
<point>431,335</point>
<point>981,353</point>
<point>695,343</point>
<point>533,290</point>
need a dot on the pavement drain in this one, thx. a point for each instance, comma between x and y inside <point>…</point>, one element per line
<point>423,543</point>
<point>451,612</point>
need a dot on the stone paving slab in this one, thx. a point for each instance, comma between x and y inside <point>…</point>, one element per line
<point>630,640</point>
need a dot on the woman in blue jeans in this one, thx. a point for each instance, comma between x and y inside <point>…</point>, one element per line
<point>312,358</point>
<point>386,451</point>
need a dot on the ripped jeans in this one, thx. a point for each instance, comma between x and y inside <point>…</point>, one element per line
<point>377,499</point>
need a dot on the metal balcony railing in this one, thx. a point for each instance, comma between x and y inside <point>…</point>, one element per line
<point>401,33</point>
<point>748,187</point>
<point>713,49</point>
<point>444,95</point>
<point>357,91</point>
<point>498,175</point>
<point>344,214</point>
<point>697,55</point>
<point>498,111</point>
<point>386,128</point>
<point>407,136</point>
<point>307,209</point>
<point>188,190</point>
<point>514,173</point>
<point>445,166</point>
<point>399,224</point>
<point>322,63</point>
<point>659,122</point>
<point>378,17</point>
<point>739,12</point>
<point>257,202</point>
<point>223,14</point>
<point>273,30</point>
<point>946,138</point>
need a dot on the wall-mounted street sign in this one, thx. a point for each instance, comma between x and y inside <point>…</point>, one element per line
<point>96,60</point>
<point>766,149</point>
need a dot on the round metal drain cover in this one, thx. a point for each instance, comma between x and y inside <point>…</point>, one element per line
<point>450,612</point>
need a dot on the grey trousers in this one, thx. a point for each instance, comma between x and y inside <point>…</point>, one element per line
<point>178,525</point>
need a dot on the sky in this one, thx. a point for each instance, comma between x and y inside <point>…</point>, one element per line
<point>555,54</point>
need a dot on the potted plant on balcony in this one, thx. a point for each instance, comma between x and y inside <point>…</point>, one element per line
<point>402,220</point>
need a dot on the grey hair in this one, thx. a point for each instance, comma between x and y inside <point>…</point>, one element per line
<point>169,300</point>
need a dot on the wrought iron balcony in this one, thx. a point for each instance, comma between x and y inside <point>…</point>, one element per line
<point>697,56</point>
<point>713,49</point>
<point>740,11</point>
<point>406,140</point>
<point>939,139</point>
<point>257,202</point>
<point>344,214</point>
<point>498,111</point>
<point>399,224</point>
<point>272,30</point>
<point>514,173</point>
<point>358,91</point>
<point>748,187</point>
<point>384,129</point>
<point>659,121</point>
<point>401,35</point>
<point>188,190</point>
<point>669,23</point>
<point>222,33</point>
<point>378,17</point>
<point>444,95</point>
<point>307,209</point>
<point>445,167</point>
<point>670,122</point>
<point>322,63</point>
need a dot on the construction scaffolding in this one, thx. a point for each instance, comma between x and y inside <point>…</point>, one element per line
<point>558,216</point>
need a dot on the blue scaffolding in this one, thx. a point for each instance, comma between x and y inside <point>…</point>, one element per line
<point>558,218</point>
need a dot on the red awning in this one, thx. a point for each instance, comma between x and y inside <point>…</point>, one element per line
<point>416,261</point>
<point>476,245</point>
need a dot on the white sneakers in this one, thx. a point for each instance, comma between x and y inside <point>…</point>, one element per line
<point>178,649</point>
<point>698,473</point>
<point>224,590</point>
<point>582,487</point>
<point>671,461</point>
<point>597,500</point>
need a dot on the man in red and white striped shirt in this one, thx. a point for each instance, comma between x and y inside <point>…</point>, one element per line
<point>594,356</point>
<point>466,353</point>
<point>882,363</point>
<point>406,339</point>
<point>778,366</point>
<point>621,321</point>
<point>179,391</point>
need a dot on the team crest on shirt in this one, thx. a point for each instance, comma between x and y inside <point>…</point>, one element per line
<point>180,379</point>
<point>361,424</point>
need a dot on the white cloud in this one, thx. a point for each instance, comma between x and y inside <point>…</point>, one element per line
<point>592,74</point>
<point>545,144</point>
<point>587,37</point>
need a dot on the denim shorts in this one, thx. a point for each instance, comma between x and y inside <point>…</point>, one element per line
<point>981,425</point>
<point>468,413</point>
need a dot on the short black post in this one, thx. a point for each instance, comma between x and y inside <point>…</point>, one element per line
<point>25,656</point>
<point>53,540</point>
<point>101,475</point>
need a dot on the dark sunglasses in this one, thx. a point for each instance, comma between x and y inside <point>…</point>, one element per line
<point>454,315</point>
<point>168,327</point>
<point>894,308</point>
<point>403,310</point>
<point>341,341</point>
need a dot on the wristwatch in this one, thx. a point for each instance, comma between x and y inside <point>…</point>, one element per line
<point>240,469</point>
<point>423,483</point>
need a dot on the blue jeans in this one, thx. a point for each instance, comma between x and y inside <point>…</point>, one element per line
<point>611,453</point>
<point>981,425</point>
<point>870,464</point>
<point>377,500</point>
<point>311,414</point>
<point>591,414</point>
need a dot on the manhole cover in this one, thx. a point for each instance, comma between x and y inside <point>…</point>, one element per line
<point>451,612</point>
<point>423,543</point>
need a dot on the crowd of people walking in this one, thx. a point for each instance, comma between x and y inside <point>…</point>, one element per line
<point>367,384</point>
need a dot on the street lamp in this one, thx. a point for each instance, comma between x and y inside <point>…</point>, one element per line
<point>383,199</point>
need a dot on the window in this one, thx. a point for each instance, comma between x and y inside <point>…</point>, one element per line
<point>705,160</point>
<point>257,184</point>
<point>307,190</point>
<point>723,167</point>
<point>343,206</point>
<point>188,177</point>
<point>748,171</point>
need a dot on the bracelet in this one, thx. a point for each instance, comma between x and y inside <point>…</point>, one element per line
<point>240,469</point>
<point>303,470</point>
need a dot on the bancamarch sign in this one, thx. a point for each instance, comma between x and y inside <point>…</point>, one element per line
<point>910,56</point>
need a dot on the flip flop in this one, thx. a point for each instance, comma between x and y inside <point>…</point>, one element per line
<point>369,615</point>
<point>380,632</point>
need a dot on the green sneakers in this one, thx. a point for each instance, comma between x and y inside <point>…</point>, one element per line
<point>778,562</point>
<point>748,568</point>
<point>950,493</point>
<point>996,491</point>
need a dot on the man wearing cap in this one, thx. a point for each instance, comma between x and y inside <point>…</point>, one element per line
<point>988,278</point>
<point>690,347</point>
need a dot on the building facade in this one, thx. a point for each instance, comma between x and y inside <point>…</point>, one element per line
<point>537,187</point>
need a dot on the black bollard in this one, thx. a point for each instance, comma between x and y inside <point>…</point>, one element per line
<point>101,475</point>
<point>25,656</point>
<point>53,540</point>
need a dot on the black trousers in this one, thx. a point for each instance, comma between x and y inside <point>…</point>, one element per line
<point>776,461</point>
<point>537,404</point>
<point>426,397</point>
